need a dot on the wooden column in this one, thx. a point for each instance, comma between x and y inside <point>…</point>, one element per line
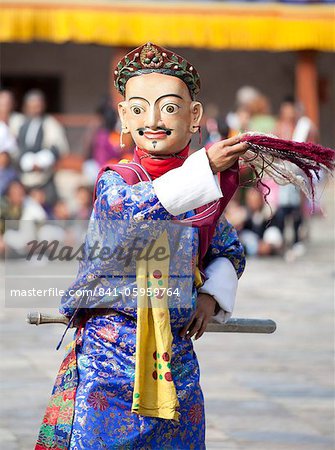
<point>306,83</point>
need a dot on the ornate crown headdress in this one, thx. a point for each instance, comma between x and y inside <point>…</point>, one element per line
<point>150,58</point>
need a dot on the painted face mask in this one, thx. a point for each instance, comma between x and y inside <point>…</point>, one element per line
<point>159,110</point>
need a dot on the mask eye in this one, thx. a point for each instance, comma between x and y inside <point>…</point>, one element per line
<point>136,109</point>
<point>170,108</point>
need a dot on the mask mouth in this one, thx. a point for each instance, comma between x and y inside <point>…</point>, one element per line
<point>160,133</point>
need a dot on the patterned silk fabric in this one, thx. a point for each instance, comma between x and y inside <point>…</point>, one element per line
<point>55,430</point>
<point>105,353</point>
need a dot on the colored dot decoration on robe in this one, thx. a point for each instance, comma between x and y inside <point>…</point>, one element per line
<point>157,274</point>
<point>160,366</point>
<point>154,375</point>
<point>166,356</point>
<point>160,377</point>
<point>168,376</point>
<point>155,355</point>
<point>137,395</point>
<point>160,282</point>
<point>169,365</point>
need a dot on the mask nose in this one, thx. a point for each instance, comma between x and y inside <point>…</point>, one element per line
<point>153,119</point>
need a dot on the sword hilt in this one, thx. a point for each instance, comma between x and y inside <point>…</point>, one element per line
<point>37,318</point>
<point>237,325</point>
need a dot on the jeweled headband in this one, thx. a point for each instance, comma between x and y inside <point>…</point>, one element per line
<point>151,58</point>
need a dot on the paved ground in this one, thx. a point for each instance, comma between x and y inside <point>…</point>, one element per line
<point>263,392</point>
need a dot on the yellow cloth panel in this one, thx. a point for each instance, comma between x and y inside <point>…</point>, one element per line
<point>212,26</point>
<point>154,392</point>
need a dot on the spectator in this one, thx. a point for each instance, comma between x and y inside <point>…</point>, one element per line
<point>17,206</point>
<point>214,127</point>
<point>209,126</point>
<point>257,237</point>
<point>42,141</point>
<point>39,196</point>
<point>60,227</point>
<point>83,203</point>
<point>236,213</point>
<point>238,121</point>
<point>292,125</point>
<point>8,172</point>
<point>104,144</point>
<point>13,119</point>
<point>106,141</point>
<point>60,211</point>
<point>261,119</point>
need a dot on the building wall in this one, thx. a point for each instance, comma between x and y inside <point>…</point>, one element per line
<point>85,72</point>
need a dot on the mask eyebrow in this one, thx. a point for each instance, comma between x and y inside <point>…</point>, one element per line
<point>159,98</point>
<point>169,95</point>
<point>139,98</point>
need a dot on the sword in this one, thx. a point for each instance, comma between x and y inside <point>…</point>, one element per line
<point>236,325</point>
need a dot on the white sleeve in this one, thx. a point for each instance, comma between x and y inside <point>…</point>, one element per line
<point>45,158</point>
<point>222,285</point>
<point>189,186</point>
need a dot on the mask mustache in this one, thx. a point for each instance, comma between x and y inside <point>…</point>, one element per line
<point>141,131</point>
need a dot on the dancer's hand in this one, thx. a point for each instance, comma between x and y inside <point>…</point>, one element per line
<point>197,324</point>
<point>223,154</point>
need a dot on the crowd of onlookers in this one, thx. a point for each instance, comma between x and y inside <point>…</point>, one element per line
<point>39,182</point>
<point>270,219</point>
<point>35,184</point>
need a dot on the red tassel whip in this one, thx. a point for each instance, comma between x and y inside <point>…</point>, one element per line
<point>309,157</point>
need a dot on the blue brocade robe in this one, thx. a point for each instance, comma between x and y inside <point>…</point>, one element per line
<point>106,347</point>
